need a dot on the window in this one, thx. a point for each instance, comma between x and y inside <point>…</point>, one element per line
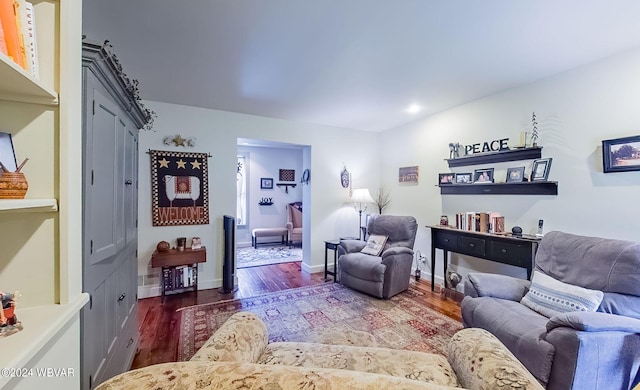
<point>241,188</point>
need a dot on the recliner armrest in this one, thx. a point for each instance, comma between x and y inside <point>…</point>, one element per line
<point>594,322</point>
<point>397,250</point>
<point>481,361</point>
<point>496,286</point>
<point>351,246</point>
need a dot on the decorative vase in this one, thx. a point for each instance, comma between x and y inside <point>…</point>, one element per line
<point>13,185</point>
<point>163,246</point>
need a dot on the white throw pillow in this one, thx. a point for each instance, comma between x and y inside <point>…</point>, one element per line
<point>375,243</point>
<point>550,297</point>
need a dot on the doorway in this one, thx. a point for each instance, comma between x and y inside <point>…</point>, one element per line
<point>270,208</point>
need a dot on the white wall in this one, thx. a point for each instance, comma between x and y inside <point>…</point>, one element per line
<point>576,110</point>
<point>216,132</point>
<point>265,162</point>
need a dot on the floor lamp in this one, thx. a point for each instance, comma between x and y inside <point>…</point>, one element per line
<point>360,198</point>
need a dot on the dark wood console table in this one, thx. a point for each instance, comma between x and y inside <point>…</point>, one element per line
<point>505,249</point>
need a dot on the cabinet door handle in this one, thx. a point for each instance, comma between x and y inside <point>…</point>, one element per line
<point>446,240</point>
<point>121,297</point>
<point>472,245</point>
<point>503,250</point>
<point>128,182</point>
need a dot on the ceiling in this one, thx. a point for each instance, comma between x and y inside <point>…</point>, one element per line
<point>352,63</point>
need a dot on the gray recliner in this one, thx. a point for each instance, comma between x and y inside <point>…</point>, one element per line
<point>388,274</point>
<point>573,350</point>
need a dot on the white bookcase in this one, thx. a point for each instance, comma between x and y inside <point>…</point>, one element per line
<point>41,234</point>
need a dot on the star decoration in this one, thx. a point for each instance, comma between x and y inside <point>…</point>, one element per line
<point>195,164</point>
<point>178,140</point>
<point>181,164</point>
<point>164,163</point>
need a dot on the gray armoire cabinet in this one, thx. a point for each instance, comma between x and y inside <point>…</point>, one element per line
<point>112,117</point>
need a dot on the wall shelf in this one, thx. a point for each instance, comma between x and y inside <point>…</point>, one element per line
<point>19,86</point>
<point>496,157</point>
<point>524,188</point>
<point>28,205</point>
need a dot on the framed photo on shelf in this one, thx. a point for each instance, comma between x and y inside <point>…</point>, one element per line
<point>464,178</point>
<point>266,183</point>
<point>540,171</point>
<point>483,175</point>
<point>620,155</point>
<point>515,175</point>
<point>446,178</point>
<point>7,153</point>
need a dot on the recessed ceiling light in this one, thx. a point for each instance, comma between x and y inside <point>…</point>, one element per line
<point>414,108</point>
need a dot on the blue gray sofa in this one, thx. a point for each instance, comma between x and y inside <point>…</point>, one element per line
<point>575,349</point>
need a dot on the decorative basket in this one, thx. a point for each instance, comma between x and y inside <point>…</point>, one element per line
<point>13,185</point>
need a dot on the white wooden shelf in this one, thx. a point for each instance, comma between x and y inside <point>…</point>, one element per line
<point>40,326</point>
<point>28,205</point>
<point>19,86</point>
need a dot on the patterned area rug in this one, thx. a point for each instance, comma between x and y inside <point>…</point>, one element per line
<point>292,315</point>
<point>249,257</point>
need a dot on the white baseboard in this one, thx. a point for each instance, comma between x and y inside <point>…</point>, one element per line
<point>156,291</point>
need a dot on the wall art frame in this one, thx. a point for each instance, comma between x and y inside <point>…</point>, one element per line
<point>621,154</point>
<point>179,188</point>
<point>445,179</point>
<point>266,183</point>
<point>484,175</point>
<point>541,168</point>
<point>464,178</point>
<point>515,175</point>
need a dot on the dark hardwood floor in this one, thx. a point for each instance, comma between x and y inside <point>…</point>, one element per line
<point>158,320</point>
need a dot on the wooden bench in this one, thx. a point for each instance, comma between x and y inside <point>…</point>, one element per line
<point>268,232</point>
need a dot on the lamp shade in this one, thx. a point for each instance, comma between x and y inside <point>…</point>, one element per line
<point>361,195</point>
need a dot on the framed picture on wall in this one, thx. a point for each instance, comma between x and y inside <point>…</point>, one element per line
<point>446,178</point>
<point>621,154</point>
<point>464,178</point>
<point>541,168</point>
<point>483,175</point>
<point>515,175</point>
<point>266,183</point>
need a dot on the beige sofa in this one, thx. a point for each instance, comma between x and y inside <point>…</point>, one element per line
<point>238,356</point>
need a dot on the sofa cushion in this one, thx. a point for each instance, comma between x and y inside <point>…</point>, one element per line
<point>375,243</point>
<point>549,297</point>
<point>234,375</point>
<point>596,263</point>
<point>418,366</point>
<point>519,328</point>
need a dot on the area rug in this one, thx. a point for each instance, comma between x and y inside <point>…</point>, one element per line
<point>401,322</point>
<point>250,257</point>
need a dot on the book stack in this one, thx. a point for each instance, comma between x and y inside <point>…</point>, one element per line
<point>482,222</point>
<point>18,34</point>
<point>183,276</point>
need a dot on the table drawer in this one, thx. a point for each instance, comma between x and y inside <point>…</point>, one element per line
<point>509,253</point>
<point>471,246</point>
<point>446,241</point>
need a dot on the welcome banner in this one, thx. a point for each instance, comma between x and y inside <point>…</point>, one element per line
<point>179,188</point>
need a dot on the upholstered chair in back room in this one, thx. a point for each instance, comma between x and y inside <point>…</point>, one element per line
<point>294,222</point>
<point>576,325</point>
<point>380,266</point>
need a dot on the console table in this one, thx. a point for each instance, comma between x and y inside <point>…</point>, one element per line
<point>518,251</point>
<point>179,268</point>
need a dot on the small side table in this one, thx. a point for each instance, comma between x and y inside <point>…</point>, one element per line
<point>331,245</point>
<point>179,268</point>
